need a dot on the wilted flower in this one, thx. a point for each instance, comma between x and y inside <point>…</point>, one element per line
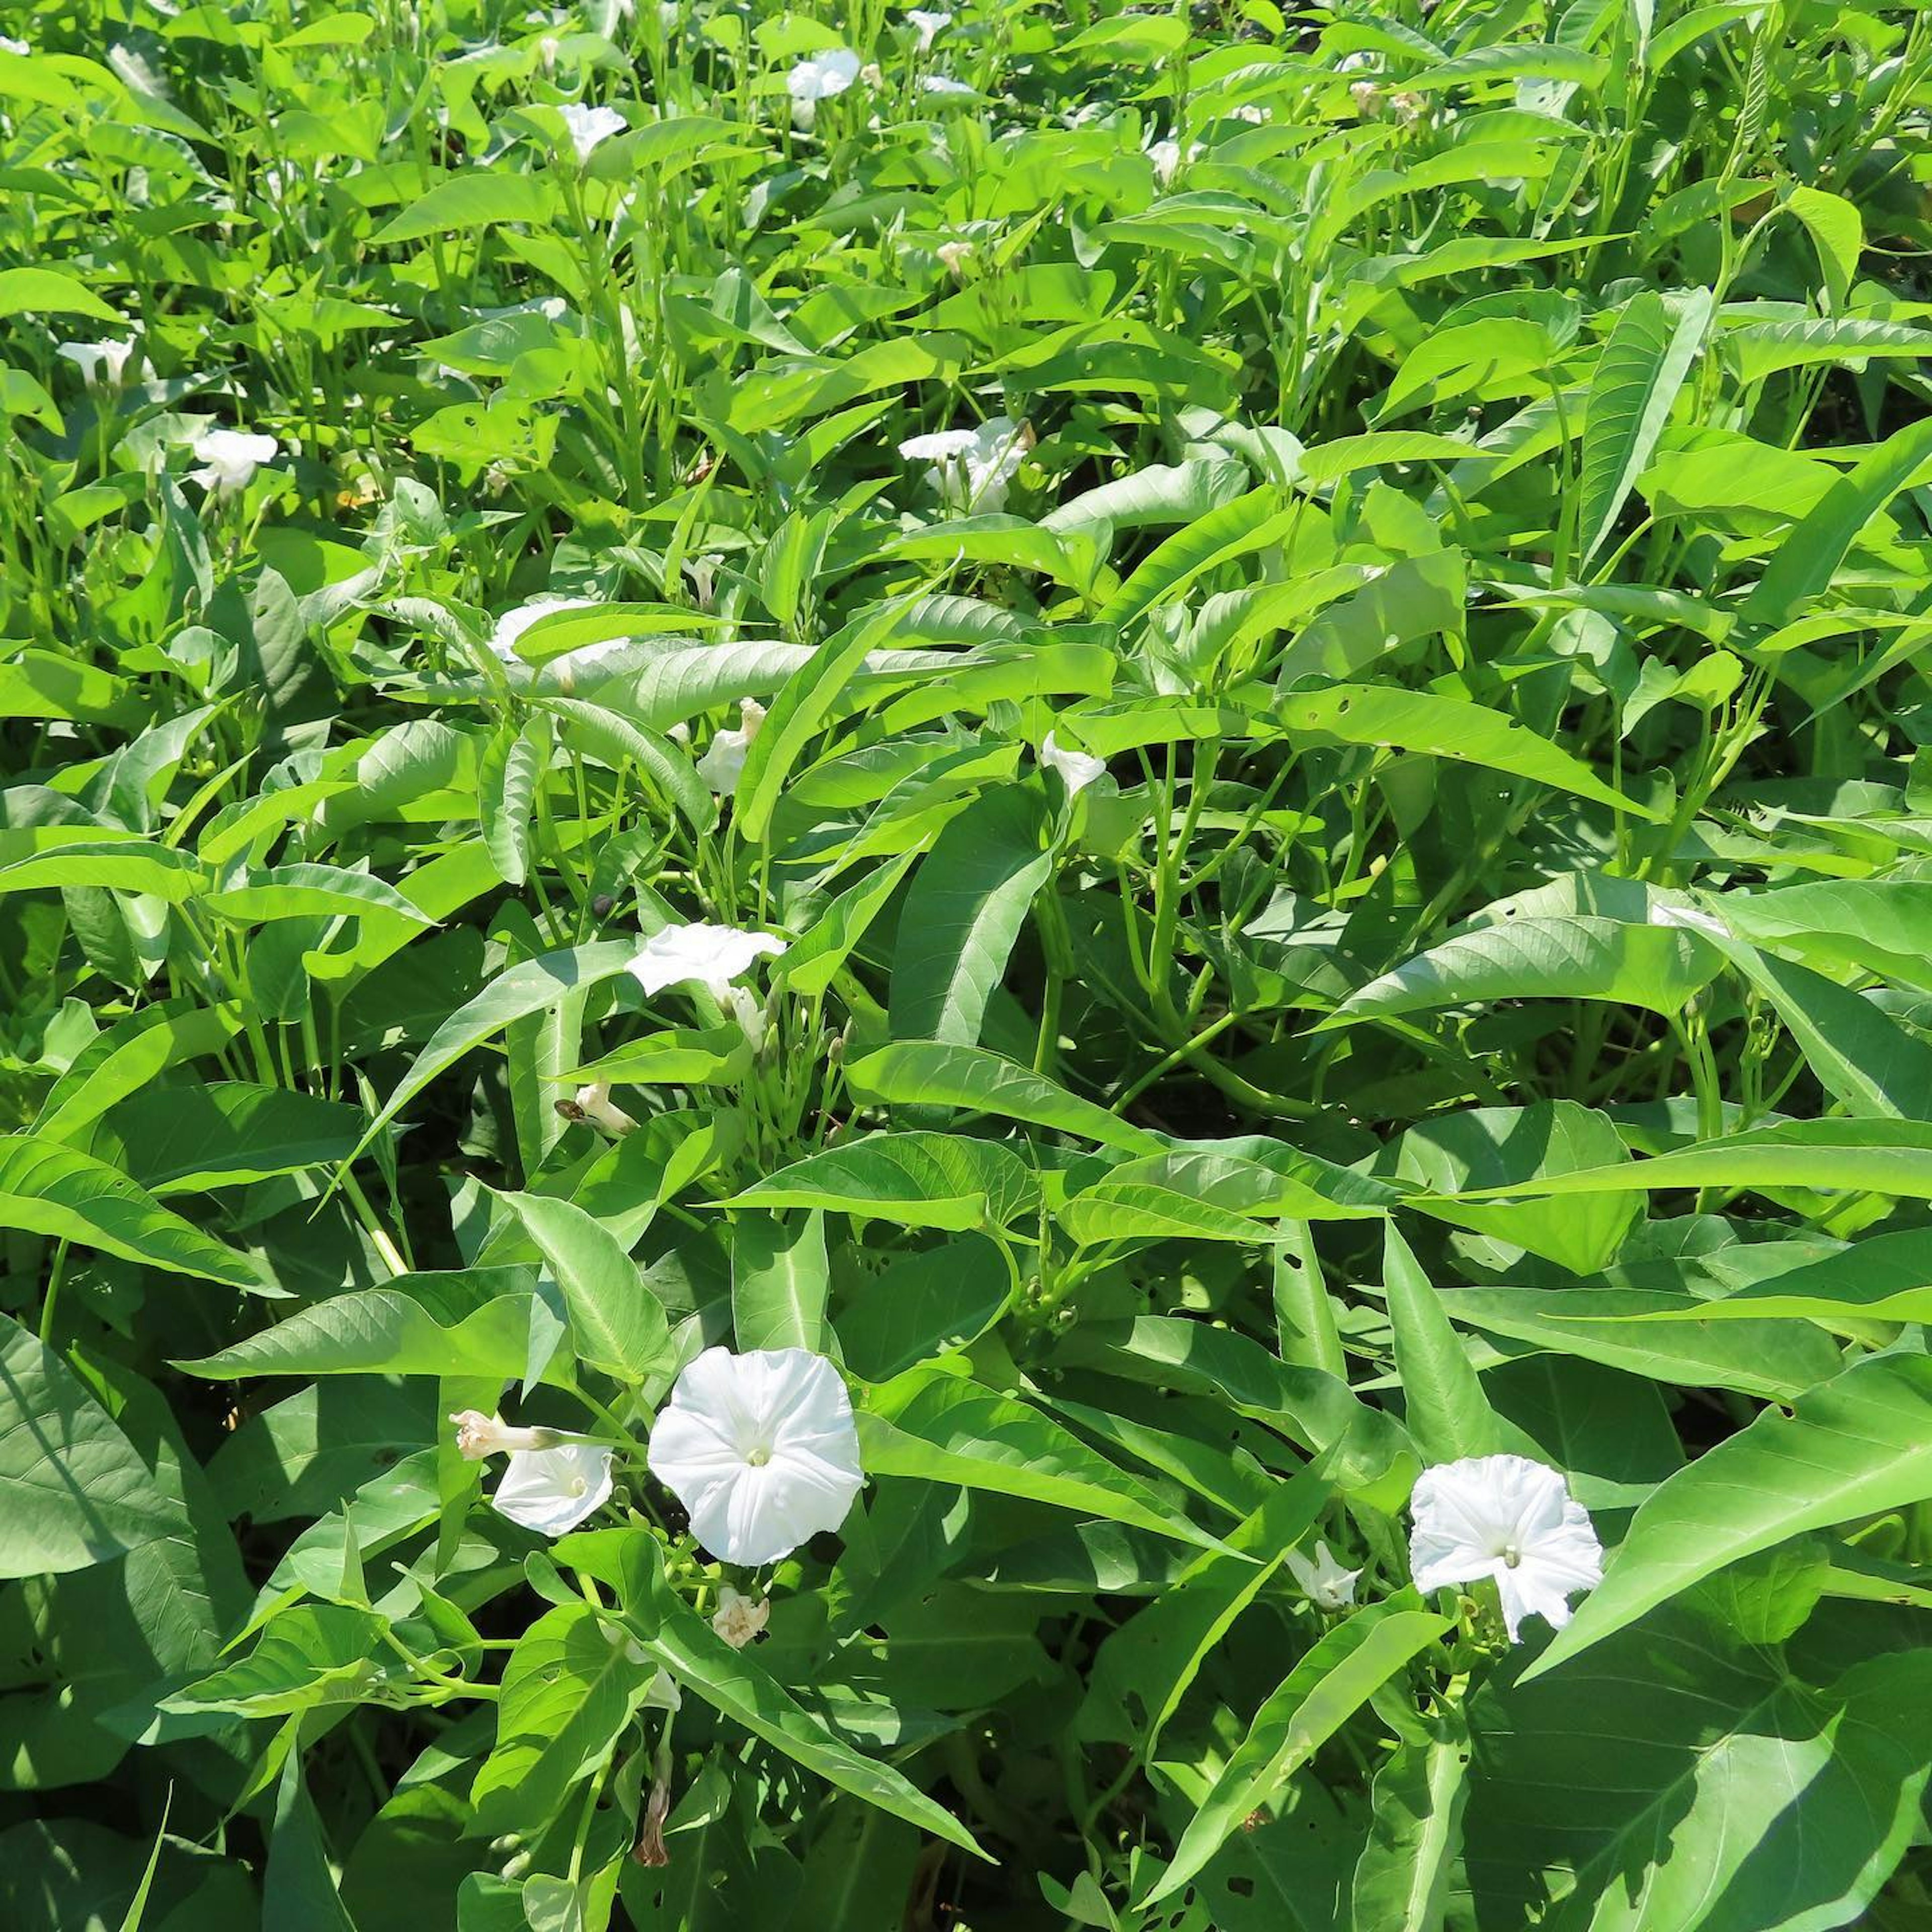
<point>818,78</point>
<point>954,255</point>
<point>1408,106</point>
<point>928,26</point>
<point>1077,770</point>
<point>100,364</point>
<point>710,956</point>
<point>739,1618</point>
<point>588,126</point>
<point>724,764</point>
<point>477,1435</point>
<point>552,1490</point>
<point>972,468</point>
<point>1512,1520</point>
<point>1366,96</point>
<point>761,1449</point>
<point>230,458</point>
<point>1331,1586</point>
<point>513,624</point>
<point>593,1103</point>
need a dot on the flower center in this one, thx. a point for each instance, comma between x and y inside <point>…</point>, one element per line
<point>1511,1553</point>
<point>757,1455</point>
<point>578,1486</point>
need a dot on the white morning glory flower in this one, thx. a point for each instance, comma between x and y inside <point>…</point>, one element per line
<point>955,256</point>
<point>513,624</point>
<point>8,45</point>
<point>552,1490</point>
<point>588,126</point>
<point>819,78</point>
<point>739,1618</point>
<point>944,83</point>
<point>723,765</point>
<point>1077,770</point>
<point>1510,1520</point>
<point>477,1435</point>
<point>761,1449</point>
<point>1331,1587</point>
<point>710,956</point>
<point>100,363</point>
<point>972,468</point>
<point>230,458</point>
<point>928,26</point>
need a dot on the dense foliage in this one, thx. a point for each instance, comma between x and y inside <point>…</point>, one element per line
<point>1297,639</point>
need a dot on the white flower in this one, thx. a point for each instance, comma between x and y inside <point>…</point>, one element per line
<point>8,45</point>
<point>1512,1520</point>
<point>703,577</point>
<point>1077,770</point>
<point>954,255</point>
<point>594,1102</point>
<point>973,468</point>
<point>1331,1587</point>
<point>477,1435</point>
<point>552,1490</point>
<point>547,49</point>
<point>92,359</point>
<point>818,79</point>
<point>710,956</point>
<point>944,83</point>
<point>230,458</point>
<point>1409,106</point>
<point>1689,919</point>
<point>739,1618</point>
<point>1366,96</point>
<point>761,1449</point>
<point>724,764</point>
<point>588,126</point>
<point>928,26</point>
<point>513,624</point>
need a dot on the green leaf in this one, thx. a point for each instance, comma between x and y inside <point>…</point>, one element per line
<point>924,1180</point>
<point>963,913</point>
<point>1640,371</point>
<point>1424,723</point>
<point>179,1140</point>
<point>735,1682</point>
<point>1808,559</point>
<point>73,1490</point>
<point>573,1683</point>
<point>1415,1819</point>
<point>1323,1691</point>
<point>479,198</point>
<point>311,1656</point>
<point>389,1331</point>
<point>780,1279</point>
<point>1882,1157</point>
<point>50,1189</point>
<point>1658,967</point>
<point>1443,1403</point>
<point>954,1431</point>
<point>1672,1778</point>
<point>617,1320</point>
<point>528,988</point>
<point>49,292</point>
<point>932,1073</point>
<point>299,1893</point>
<point>1860,1444</point>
